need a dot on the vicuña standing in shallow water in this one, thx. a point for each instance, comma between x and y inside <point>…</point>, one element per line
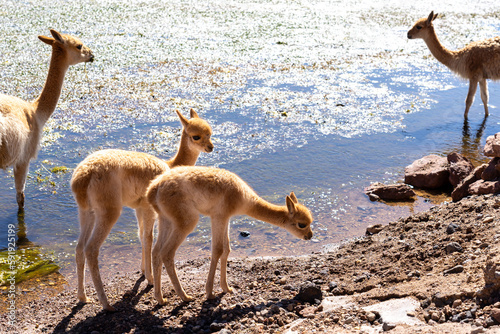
<point>182,194</point>
<point>107,180</point>
<point>477,62</point>
<point>21,122</point>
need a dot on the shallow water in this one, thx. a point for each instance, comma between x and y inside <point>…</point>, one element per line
<point>316,97</point>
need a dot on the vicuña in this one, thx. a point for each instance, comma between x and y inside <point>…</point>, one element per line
<point>182,194</point>
<point>107,180</point>
<point>476,62</point>
<point>21,122</point>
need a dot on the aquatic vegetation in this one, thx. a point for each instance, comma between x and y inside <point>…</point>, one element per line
<point>29,262</point>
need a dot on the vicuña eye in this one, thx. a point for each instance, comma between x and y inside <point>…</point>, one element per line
<point>79,47</point>
<point>419,27</point>
<point>302,225</point>
<point>196,137</point>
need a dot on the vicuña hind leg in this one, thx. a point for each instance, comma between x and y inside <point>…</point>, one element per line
<point>146,219</point>
<point>104,221</point>
<point>20,173</point>
<point>86,227</point>
<point>170,237</point>
<point>483,86</point>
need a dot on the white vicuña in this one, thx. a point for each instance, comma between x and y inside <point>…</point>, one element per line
<point>107,180</point>
<point>182,194</point>
<point>478,61</point>
<point>21,122</point>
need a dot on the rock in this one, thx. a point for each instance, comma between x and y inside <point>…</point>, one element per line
<point>453,247</point>
<point>491,172</point>
<point>371,317</point>
<point>491,273</point>
<point>391,192</point>
<point>460,168</point>
<point>388,326</point>
<point>308,312</point>
<point>482,187</point>
<point>455,270</point>
<point>462,190</point>
<point>431,172</point>
<point>245,234</point>
<point>374,229</point>
<point>495,314</point>
<point>452,228</point>
<point>309,292</point>
<point>492,146</point>
<point>457,303</point>
<point>216,326</point>
<point>332,285</point>
<point>477,330</point>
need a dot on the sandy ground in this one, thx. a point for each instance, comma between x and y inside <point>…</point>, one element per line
<point>420,274</point>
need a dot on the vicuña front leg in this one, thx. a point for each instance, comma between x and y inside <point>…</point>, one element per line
<point>20,173</point>
<point>470,95</point>
<point>220,250</point>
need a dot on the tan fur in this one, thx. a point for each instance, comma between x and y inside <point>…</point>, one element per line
<point>477,62</point>
<point>21,122</point>
<point>107,180</point>
<point>182,194</point>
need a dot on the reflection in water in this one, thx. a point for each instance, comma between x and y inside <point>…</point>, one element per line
<point>22,238</point>
<point>471,147</point>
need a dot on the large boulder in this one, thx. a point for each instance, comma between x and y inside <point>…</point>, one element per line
<point>492,147</point>
<point>462,190</point>
<point>482,187</point>
<point>429,172</point>
<point>391,192</point>
<point>460,168</point>
<point>491,171</point>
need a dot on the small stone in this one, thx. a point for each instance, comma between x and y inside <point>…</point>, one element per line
<point>374,229</point>
<point>216,326</point>
<point>453,247</point>
<point>457,303</point>
<point>455,270</point>
<point>388,326</point>
<point>332,285</point>
<point>282,281</point>
<point>245,234</point>
<point>391,192</point>
<point>370,316</point>
<point>488,219</point>
<point>309,292</point>
<point>477,330</point>
<point>452,228</point>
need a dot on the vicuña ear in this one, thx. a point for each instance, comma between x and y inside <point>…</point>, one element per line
<point>430,18</point>
<point>184,120</point>
<point>293,197</point>
<point>46,40</point>
<point>435,15</point>
<point>193,113</point>
<point>57,36</point>
<point>290,205</point>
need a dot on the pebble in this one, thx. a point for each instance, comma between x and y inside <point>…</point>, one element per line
<point>487,220</point>
<point>457,303</point>
<point>309,292</point>
<point>454,270</point>
<point>477,330</point>
<point>371,316</point>
<point>495,314</point>
<point>388,326</point>
<point>453,247</point>
<point>245,234</point>
<point>452,228</point>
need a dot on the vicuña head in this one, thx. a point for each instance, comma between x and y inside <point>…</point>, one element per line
<point>477,62</point>
<point>180,195</point>
<point>21,122</point>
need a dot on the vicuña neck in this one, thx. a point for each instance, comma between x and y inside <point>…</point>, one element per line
<point>267,212</point>
<point>47,101</point>
<point>184,156</point>
<point>441,53</point>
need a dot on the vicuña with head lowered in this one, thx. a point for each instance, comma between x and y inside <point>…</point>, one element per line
<point>182,194</point>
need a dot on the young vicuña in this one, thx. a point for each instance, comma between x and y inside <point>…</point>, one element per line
<point>477,62</point>
<point>21,122</point>
<point>182,194</point>
<point>107,180</point>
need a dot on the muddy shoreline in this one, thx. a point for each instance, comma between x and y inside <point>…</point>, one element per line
<point>434,260</point>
